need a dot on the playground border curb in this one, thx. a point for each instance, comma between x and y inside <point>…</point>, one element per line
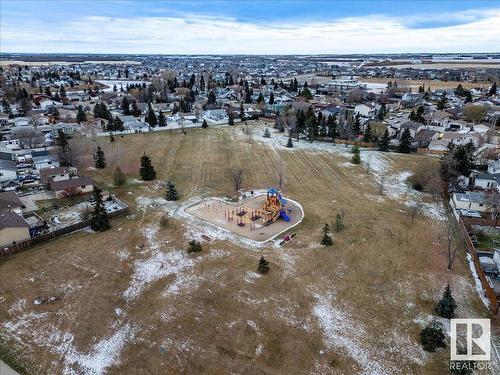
<point>231,233</point>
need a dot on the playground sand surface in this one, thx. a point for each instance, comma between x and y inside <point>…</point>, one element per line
<point>213,211</point>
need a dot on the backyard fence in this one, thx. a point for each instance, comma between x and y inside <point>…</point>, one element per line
<point>488,290</point>
<point>355,143</point>
<point>23,245</point>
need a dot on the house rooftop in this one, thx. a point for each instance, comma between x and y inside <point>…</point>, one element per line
<point>72,183</point>
<point>9,199</point>
<point>9,219</point>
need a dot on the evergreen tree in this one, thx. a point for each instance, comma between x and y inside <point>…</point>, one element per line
<point>331,125</point>
<point>62,140</point>
<point>405,142</point>
<point>260,99</point>
<point>194,246</point>
<point>125,106</point>
<point>442,102</point>
<point>383,144</point>
<point>419,116</point>
<point>212,99</point>
<point>204,124</point>
<point>271,98</point>
<point>80,115</point>
<point>171,194</point>
<point>382,112</point>
<point>493,89</point>
<point>446,305</point>
<point>289,144</point>
<point>162,121</point>
<point>306,93</point>
<point>356,157</point>
<point>242,112</point>
<point>339,223</point>
<point>412,116</point>
<point>367,136</point>
<point>100,160</point>
<point>357,126</point>
<point>151,116</point>
<point>99,221</point>
<point>230,120</point>
<point>135,110</point>
<point>119,177</point>
<point>267,133</point>
<point>327,239</point>
<point>6,106</point>
<point>432,337</point>
<point>263,266</point>
<point>147,170</point>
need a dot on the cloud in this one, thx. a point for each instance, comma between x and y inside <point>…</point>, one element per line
<point>470,31</point>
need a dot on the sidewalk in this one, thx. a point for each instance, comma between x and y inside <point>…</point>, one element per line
<point>6,370</point>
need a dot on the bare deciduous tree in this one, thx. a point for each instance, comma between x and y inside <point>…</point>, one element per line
<point>237,174</point>
<point>29,136</point>
<point>452,250</point>
<point>414,210</point>
<point>280,170</point>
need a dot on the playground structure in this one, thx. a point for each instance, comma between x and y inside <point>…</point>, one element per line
<point>256,216</point>
<point>275,207</point>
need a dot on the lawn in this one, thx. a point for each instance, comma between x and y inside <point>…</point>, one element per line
<point>132,300</point>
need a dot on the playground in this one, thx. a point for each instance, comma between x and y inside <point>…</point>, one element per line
<point>258,217</point>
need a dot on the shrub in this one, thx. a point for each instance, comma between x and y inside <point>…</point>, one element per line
<point>194,246</point>
<point>432,337</point>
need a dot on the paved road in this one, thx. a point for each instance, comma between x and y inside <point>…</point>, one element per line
<point>6,370</point>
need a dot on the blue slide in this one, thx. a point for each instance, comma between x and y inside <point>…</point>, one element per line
<point>284,215</point>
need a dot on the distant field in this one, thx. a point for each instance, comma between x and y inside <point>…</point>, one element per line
<point>132,301</point>
<point>433,84</point>
<point>42,63</point>
<point>447,65</point>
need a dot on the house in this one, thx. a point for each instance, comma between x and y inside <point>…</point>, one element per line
<point>470,200</point>
<point>216,114</point>
<point>439,145</point>
<point>494,166</point>
<point>413,127</point>
<point>13,228</point>
<point>55,174</point>
<point>136,126</point>
<point>46,161</point>
<point>12,144</point>
<point>425,136</point>
<point>49,103</point>
<point>487,181</point>
<point>73,186</point>
<point>22,121</point>
<point>411,99</point>
<point>367,109</point>
<point>8,170</point>
<point>10,201</point>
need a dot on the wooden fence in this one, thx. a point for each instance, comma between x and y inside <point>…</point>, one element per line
<point>355,143</point>
<point>488,290</point>
<point>489,222</point>
<point>23,245</point>
<point>426,151</point>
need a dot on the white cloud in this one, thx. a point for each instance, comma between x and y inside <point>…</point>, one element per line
<point>196,33</point>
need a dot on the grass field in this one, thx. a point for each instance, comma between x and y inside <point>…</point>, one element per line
<point>132,301</point>
<point>433,84</point>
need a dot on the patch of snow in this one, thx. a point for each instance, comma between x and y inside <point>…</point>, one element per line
<point>341,330</point>
<point>103,354</point>
<point>479,286</point>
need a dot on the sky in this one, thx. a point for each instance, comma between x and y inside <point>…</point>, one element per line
<point>248,27</point>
